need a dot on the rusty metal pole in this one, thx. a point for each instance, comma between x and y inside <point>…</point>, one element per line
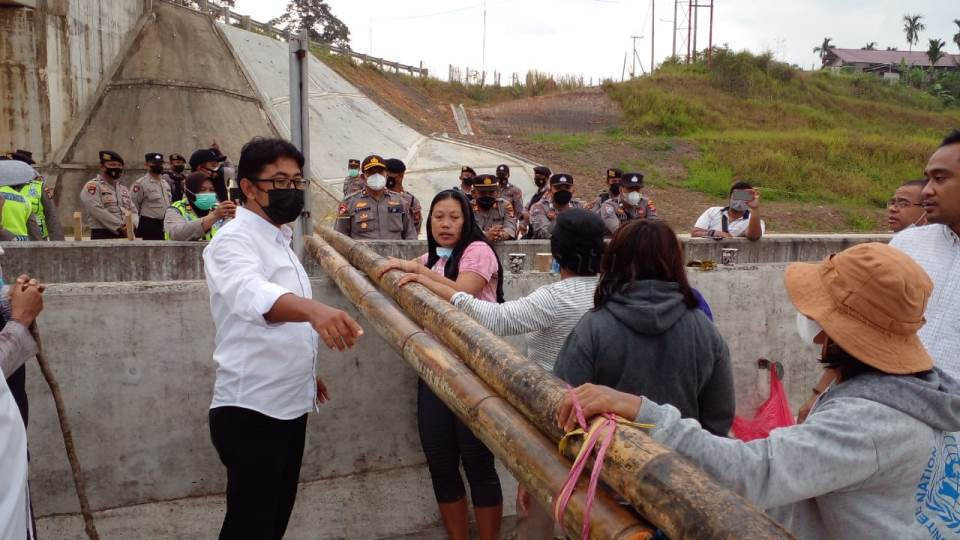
<point>665,488</point>
<point>525,451</point>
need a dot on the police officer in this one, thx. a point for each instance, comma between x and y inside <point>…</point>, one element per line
<point>543,214</point>
<point>466,179</point>
<point>630,204</point>
<point>509,191</point>
<point>16,212</point>
<point>494,214</point>
<point>152,196</point>
<point>612,191</point>
<point>541,175</point>
<point>177,176</point>
<point>352,182</point>
<point>45,211</point>
<point>374,212</point>
<point>207,161</point>
<point>105,200</point>
<point>396,169</point>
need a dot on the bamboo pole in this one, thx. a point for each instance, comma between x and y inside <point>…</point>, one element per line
<point>665,488</point>
<point>524,450</point>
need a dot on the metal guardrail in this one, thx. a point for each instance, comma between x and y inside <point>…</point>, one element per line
<point>244,21</point>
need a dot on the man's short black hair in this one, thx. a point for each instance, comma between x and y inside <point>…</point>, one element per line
<point>740,185</point>
<point>260,152</point>
<point>394,165</point>
<point>914,183</point>
<point>952,138</point>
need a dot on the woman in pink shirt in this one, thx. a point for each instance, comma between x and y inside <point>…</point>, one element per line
<point>460,257</point>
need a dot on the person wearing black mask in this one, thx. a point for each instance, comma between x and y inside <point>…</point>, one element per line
<point>198,216</point>
<point>466,178</point>
<point>494,214</point>
<point>207,161</point>
<point>176,175</point>
<point>105,200</point>
<point>543,215</point>
<point>613,189</point>
<point>151,195</point>
<point>266,344</point>
<point>541,175</point>
<point>396,171</point>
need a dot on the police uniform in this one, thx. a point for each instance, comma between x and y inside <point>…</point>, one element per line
<point>176,179</point>
<point>605,195</point>
<point>501,213</point>
<point>459,187</point>
<point>352,184</point>
<point>362,216</point>
<point>151,196</point>
<point>104,203</point>
<point>615,212</point>
<point>543,214</point>
<point>413,208</point>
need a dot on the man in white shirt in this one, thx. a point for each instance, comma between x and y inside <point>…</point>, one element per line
<point>740,218</point>
<point>936,248</point>
<point>266,343</point>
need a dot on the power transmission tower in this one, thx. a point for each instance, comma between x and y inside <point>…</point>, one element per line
<point>636,58</point>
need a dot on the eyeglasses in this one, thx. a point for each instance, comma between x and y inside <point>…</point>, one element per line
<point>901,203</point>
<point>285,183</point>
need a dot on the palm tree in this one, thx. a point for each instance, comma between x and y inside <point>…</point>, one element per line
<point>824,49</point>
<point>956,37</point>
<point>912,28</point>
<point>935,53</point>
<point>872,46</point>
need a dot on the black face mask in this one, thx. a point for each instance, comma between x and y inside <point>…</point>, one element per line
<point>615,189</point>
<point>562,197</point>
<point>114,172</point>
<point>485,202</point>
<point>285,205</point>
<point>503,180</point>
<point>156,169</point>
<point>391,183</point>
<point>539,180</point>
<point>178,168</point>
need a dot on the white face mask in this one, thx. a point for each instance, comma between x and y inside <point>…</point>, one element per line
<point>808,329</point>
<point>633,198</point>
<point>377,182</point>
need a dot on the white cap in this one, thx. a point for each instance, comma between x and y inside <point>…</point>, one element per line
<point>14,173</point>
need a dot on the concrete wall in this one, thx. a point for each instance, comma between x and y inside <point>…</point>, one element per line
<point>54,58</point>
<point>108,261</point>
<point>133,360</point>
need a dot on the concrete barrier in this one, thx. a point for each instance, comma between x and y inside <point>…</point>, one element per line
<point>113,261</point>
<point>134,361</point>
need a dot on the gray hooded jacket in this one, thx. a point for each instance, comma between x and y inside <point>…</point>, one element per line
<point>876,458</point>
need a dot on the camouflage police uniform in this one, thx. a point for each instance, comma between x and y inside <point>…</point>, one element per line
<point>615,212</point>
<point>501,213</point>
<point>103,205</point>
<point>363,217</point>
<point>543,216</point>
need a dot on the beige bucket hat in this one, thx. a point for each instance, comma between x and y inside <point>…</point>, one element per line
<point>870,300</point>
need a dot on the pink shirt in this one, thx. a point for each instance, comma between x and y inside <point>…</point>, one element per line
<point>479,259</point>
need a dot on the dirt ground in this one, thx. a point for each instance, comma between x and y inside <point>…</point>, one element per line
<point>513,125</point>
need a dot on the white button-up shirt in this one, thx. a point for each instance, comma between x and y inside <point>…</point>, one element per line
<point>261,366</point>
<point>937,249</point>
<point>712,220</point>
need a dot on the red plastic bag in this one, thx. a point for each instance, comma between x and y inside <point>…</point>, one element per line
<point>774,413</point>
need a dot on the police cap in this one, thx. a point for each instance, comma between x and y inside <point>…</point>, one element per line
<point>633,179</point>
<point>109,155</point>
<point>468,169</point>
<point>614,173</point>
<point>503,168</point>
<point>372,162</point>
<point>201,156</point>
<point>394,165</point>
<point>25,156</point>
<point>153,157</point>
<point>353,164</point>
<point>541,170</point>
<point>177,156</point>
<point>485,181</point>
<point>562,179</point>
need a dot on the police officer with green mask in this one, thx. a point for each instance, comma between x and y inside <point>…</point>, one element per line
<point>16,211</point>
<point>198,216</point>
<point>39,197</point>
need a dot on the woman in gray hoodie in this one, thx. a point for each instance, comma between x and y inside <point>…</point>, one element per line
<point>878,455</point>
<point>646,335</point>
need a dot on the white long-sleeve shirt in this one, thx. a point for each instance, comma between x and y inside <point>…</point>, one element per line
<point>16,346</point>
<point>548,315</point>
<point>266,367</point>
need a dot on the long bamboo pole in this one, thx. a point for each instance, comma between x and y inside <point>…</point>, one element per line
<point>524,450</point>
<point>665,488</point>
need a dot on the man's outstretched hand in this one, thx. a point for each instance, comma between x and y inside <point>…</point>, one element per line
<point>337,329</point>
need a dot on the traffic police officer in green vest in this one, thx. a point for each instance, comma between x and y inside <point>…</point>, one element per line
<point>40,197</point>
<point>630,204</point>
<point>16,212</point>
<point>198,216</point>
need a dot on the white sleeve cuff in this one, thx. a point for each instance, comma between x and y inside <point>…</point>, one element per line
<point>460,298</point>
<point>265,296</point>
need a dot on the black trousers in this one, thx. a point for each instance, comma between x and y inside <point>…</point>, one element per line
<point>104,234</point>
<point>262,456</point>
<point>150,228</point>
<point>446,443</point>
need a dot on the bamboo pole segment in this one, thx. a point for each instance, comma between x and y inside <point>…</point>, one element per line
<point>78,481</point>
<point>524,450</point>
<point>665,488</point>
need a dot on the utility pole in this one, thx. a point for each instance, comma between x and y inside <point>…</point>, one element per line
<point>624,72</point>
<point>696,8</point>
<point>710,49</point>
<point>483,62</point>
<point>300,126</point>
<point>689,26</point>
<point>653,20</point>
<point>676,4</point>
<point>636,58</point>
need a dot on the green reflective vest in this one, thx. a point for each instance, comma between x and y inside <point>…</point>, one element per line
<point>16,212</point>
<point>33,193</point>
<point>183,206</point>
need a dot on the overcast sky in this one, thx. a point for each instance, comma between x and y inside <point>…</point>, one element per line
<point>590,37</point>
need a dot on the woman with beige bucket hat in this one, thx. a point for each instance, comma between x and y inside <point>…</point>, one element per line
<point>876,458</point>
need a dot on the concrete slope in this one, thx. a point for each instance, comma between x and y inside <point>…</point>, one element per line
<point>344,124</point>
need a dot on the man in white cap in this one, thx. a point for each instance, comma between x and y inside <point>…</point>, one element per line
<point>876,458</point>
